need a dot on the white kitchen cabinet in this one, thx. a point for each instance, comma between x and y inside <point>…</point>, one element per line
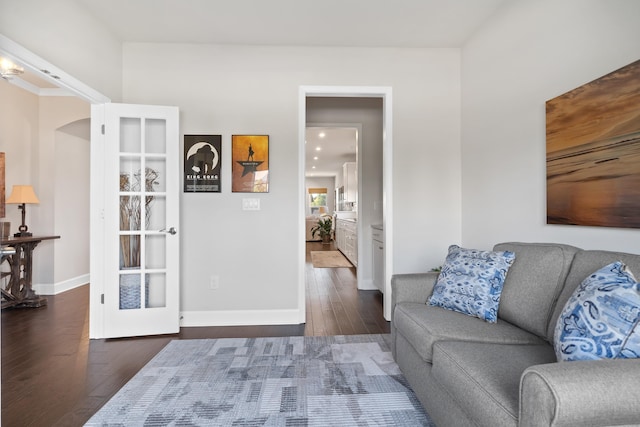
<point>347,239</point>
<point>350,181</point>
<point>378,256</point>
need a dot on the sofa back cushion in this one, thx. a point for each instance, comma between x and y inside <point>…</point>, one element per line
<point>534,283</point>
<point>584,264</point>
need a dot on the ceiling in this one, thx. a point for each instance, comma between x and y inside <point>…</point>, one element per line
<point>327,149</point>
<point>342,23</point>
<point>361,23</point>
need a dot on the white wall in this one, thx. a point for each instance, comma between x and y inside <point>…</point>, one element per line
<point>71,212</point>
<point>66,35</point>
<point>55,113</point>
<point>19,123</point>
<point>528,53</point>
<point>241,89</point>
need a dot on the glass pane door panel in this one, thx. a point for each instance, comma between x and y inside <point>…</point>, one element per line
<point>156,290</point>
<point>130,174</point>
<point>130,291</point>
<point>130,213</point>
<point>156,175</point>
<point>130,135</point>
<point>155,248</point>
<point>155,136</point>
<point>130,251</point>
<point>156,207</point>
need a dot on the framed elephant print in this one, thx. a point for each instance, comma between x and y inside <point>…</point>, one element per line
<point>202,160</point>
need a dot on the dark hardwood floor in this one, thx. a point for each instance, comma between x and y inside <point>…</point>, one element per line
<point>53,375</point>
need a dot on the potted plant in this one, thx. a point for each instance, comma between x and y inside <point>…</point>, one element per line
<point>323,229</point>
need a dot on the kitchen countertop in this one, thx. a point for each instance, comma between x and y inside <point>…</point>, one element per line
<point>348,219</point>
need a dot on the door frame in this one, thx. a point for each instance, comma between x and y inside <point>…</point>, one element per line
<point>38,66</point>
<point>384,92</point>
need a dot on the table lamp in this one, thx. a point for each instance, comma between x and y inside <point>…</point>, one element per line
<point>20,195</point>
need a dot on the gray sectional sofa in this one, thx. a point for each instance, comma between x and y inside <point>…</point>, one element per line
<point>468,372</point>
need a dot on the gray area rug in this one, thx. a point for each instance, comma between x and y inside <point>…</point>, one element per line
<point>287,381</point>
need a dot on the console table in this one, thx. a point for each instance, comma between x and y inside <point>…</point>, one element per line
<point>19,291</point>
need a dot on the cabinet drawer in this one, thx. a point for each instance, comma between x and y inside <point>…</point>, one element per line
<point>347,225</point>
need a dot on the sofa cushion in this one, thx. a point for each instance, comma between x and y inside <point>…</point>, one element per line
<point>584,264</point>
<point>485,378</point>
<point>423,325</point>
<point>471,282</point>
<point>533,284</point>
<point>600,320</point>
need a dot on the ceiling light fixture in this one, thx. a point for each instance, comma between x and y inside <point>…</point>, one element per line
<point>8,69</point>
<point>321,135</point>
<point>318,149</point>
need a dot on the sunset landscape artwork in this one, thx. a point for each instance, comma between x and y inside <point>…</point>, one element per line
<point>593,152</point>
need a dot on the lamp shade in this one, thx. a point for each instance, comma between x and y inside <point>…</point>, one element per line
<point>22,194</point>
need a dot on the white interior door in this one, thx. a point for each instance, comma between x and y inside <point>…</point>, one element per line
<point>135,246</point>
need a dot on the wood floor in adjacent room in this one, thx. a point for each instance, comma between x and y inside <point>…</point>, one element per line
<point>53,375</point>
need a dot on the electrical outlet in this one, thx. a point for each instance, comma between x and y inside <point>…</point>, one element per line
<point>214,282</point>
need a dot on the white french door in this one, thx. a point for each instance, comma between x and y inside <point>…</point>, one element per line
<point>135,215</point>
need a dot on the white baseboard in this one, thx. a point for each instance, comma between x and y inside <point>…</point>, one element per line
<point>56,288</point>
<point>239,318</point>
<point>367,285</point>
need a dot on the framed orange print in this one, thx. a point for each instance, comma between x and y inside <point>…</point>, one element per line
<point>250,163</point>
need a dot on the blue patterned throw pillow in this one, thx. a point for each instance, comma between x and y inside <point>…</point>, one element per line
<point>471,282</point>
<point>601,319</point>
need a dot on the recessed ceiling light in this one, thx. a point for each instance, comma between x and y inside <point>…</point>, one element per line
<point>318,148</point>
<point>9,69</point>
<point>313,167</point>
<point>315,158</point>
<point>321,135</point>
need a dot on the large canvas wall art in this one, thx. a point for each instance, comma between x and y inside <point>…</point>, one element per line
<point>593,152</point>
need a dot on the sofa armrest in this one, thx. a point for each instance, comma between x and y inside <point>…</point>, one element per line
<point>415,287</point>
<point>589,393</point>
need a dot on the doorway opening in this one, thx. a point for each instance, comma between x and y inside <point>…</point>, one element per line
<point>68,139</point>
<point>378,207</point>
<point>331,181</point>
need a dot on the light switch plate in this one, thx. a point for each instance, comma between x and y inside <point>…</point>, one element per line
<point>250,204</point>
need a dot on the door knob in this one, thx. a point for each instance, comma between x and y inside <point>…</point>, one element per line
<point>171,231</point>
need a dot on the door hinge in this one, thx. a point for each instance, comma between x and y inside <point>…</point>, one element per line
<point>102,129</point>
<point>101,298</point>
